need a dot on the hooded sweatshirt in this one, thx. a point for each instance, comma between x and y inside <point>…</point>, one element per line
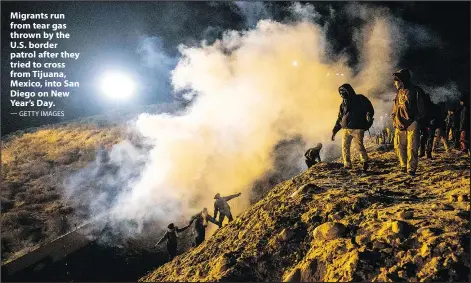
<point>409,104</point>
<point>352,112</point>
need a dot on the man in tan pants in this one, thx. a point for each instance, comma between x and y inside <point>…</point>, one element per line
<point>408,114</point>
<point>355,117</point>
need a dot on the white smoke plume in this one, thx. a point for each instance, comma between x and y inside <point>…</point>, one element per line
<point>255,89</point>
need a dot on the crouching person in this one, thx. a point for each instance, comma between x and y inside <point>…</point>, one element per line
<point>313,155</point>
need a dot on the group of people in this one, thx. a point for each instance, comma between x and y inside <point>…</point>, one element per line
<point>201,220</point>
<point>419,124</point>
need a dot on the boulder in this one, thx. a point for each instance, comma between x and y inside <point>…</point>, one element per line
<point>405,214</point>
<point>329,231</point>
<point>286,235</point>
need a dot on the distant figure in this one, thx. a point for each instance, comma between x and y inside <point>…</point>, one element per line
<point>425,129</point>
<point>201,222</point>
<point>355,117</point>
<point>439,125</point>
<point>408,114</point>
<point>450,131</point>
<point>171,236</point>
<point>221,206</point>
<point>464,123</point>
<point>313,155</point>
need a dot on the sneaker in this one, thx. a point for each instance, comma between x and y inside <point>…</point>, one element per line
<point>412,173</point>
<point>365,166</point>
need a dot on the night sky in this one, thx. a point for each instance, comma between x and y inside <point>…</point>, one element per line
<point>110,35</point>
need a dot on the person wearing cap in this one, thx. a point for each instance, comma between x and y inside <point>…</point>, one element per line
<point>221,206</point>
<point>171,236</point>
<point>408,115</point>
<point>313,155</point>
<point>464,123</point>
<point>355,117</point>
<point>201,220</point>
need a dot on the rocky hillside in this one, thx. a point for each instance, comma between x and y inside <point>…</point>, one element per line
<point>330,224</point>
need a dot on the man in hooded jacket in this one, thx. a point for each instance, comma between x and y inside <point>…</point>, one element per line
<point>408,115</point>
<point>171,236</point>
<point>221,206</point>
<point>355,117</point>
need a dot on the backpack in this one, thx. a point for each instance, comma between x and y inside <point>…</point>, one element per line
<point>367,107</point>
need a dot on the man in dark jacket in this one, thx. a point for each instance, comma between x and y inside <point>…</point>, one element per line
<point>313,155</point>
<point>355,117</point>
<point>201,222</point>
<point>221,206</point>
<point>464,123</point>
<point>439,125</point>
<point>171,236</point>
<point>408,115</point>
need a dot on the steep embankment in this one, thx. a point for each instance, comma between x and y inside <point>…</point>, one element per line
<point>35,163</point>
<point>390,227</point>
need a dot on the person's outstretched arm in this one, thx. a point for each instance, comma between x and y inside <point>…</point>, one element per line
<point>228,198</point>
<point>162,239</point>
<point>183,229</point>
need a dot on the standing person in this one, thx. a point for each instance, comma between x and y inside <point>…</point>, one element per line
<point>464,123</point>
<point>450,124</point>
<point>408,114</point>
<point>355,117</point>
<point>440,125</point>
<point>171,236</point>
<point>425,129</point>
<point>221,206</point>
<point>313,155</point>
<point>201,222</point>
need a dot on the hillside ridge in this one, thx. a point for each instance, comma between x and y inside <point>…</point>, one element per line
<point>330,224</point>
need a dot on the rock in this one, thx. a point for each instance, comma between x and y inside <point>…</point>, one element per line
<point>329,231</point>
<point>294,276</point>
<point>453,198</point>
<point>361,239</point>
<point>305,189</point>
<point>308,271</point>
<point>398,227</point>
<point>426,232</point>
<point>463,198</point>
<point>405,214</point>
<point>286,235</point>
<point>336,216</point>
<point>425,250</point>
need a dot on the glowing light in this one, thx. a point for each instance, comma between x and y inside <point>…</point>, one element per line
<point>295,63</point>
<point>117,85</point>
<point>341,74</point>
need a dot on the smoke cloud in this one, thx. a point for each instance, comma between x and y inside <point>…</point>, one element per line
<point>251,91</point>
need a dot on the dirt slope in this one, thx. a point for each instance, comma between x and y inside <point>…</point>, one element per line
<point>390,227</point>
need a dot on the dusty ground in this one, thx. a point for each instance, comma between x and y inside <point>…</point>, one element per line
<point>390,227</point>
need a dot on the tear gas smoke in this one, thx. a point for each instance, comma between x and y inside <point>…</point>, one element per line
<point>248,96</point>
